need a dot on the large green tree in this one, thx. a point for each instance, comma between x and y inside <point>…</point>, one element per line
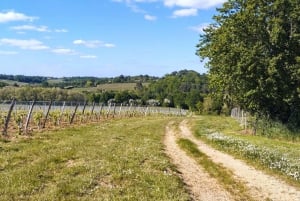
<point>253,51</point>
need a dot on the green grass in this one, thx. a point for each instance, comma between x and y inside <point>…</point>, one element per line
<point>229,127</point>
<point>109,87</point>
<point>113,160</point>
<point>237,189</point>
<point>11,82</point>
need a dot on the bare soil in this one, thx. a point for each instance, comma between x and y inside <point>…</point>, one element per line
<point>200,185</point>
<point>261,186</point>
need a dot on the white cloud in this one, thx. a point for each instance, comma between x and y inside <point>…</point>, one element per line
<point>109,45</point>
<point>8,53</point>
<point>31,28</point>
<point>88,57</point>
<point>31,44</point>
<point>61,30</point>
<point>11,16</point>
<point>64,51</point>
<point>185,12</point>
<point>199,28</point>
<point>150,17</point>
<point>93,43</point>
<point>197,4</point>
<point>23,28</point>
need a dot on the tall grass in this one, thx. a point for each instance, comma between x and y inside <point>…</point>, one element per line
<point>278,156</point>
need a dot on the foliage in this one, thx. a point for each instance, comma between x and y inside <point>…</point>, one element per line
<point>182,89</point>
<point>253,57</point>
<point>23,78</point>
<point>3,84</point>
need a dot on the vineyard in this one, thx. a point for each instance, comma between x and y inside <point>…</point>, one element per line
<point>26,117</point>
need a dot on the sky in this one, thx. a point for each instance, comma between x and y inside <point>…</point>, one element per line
<point>102,38</point>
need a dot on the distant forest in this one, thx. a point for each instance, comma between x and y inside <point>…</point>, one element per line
<point>74,81</point>
<point>183,89</point>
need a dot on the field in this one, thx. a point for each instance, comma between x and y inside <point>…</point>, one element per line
<point>11,82</point>
<point>113,160</point>
<point>128,159</point>
<point>109,87</point>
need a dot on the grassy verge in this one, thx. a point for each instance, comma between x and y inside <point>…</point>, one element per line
<point>237,189</point>
<point>114,160</point>
<point>278,157</point>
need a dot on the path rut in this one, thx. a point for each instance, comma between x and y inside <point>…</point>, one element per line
<point>261,185</point>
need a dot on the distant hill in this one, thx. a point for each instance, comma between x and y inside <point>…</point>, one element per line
<point>72,81</point>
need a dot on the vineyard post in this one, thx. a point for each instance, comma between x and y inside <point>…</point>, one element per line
<point>93,107</point>
<point>114,110</point>
<point>108,111</point>
<point>138,109</point>
<point>92,111</point>
<point>83,110</point>
<point>84,106</point>
<point>101,108</point>
<point>74,113</point>
<point>47,114</point>
<point>7,119</point>
<point>29,116</point>
<point>120,111</point>
<point>61,112</point>
<point>128,112</point>
<point>146,110</point>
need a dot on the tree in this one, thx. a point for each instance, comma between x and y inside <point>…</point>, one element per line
<point>253,56</point>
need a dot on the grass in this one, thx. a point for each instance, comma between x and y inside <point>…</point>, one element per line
<point>237,189</point>
<point>12,82</point>
<point>229,127</point>
<point>113,160</point>
<point>109,87</point>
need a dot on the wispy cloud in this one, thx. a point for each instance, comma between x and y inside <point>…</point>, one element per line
<point>109,45</point>
<point>93,43</point>
<point>199,28</point>
<point>197,4</point>
<point>150,17</point>
<point>31,44</point>
<point>88,57</point>
<point>8,53</point>
<point>185,12</point>
<point>188,7</point>
<point>23,28</point>
<point>10,16</point>
<point>64,51</point>
<point>31,28</point>
<point>61,30</point>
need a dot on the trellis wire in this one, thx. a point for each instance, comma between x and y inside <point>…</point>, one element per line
<point>76,112</point>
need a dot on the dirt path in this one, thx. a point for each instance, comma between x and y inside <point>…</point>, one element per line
<point>262,186</point>
<point>199,183</point>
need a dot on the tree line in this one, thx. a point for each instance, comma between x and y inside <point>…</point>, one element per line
<point>184,89</point>
<point>252,48</point>
<point>73,81</point>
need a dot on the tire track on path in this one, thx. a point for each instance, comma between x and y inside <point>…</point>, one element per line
<point>201,186</point>
<point>261,185</point>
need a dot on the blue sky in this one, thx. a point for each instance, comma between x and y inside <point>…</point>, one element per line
<point>101,38</point>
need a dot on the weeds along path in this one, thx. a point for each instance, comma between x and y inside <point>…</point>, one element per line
<point>261,185</point>
<point>199,183</point>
